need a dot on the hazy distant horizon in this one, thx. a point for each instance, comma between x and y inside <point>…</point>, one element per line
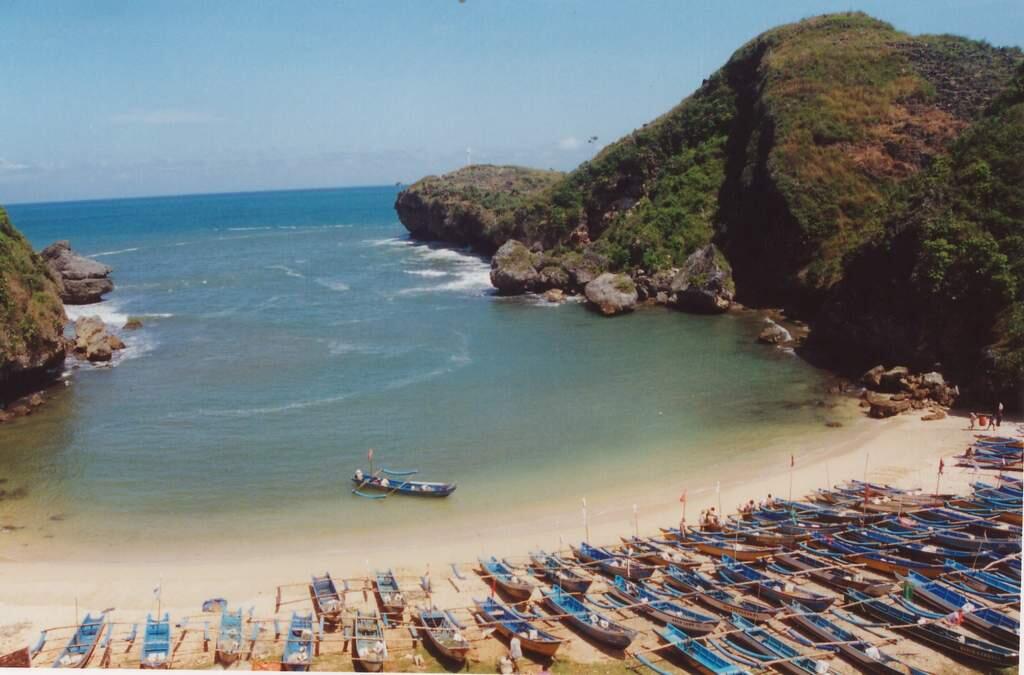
<point>115,99</point>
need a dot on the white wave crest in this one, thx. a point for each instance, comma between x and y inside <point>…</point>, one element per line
<point>108,312</point>
<point>117,252</point>
<point>287,270</point>
<point>428,273</point>
<point>390,241</point>
<point>332,284</point>
<point>247,229</point>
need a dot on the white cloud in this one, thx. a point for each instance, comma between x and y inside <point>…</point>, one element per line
<point>8,165</point>
<point>569,143</point>
<point>164,116</point>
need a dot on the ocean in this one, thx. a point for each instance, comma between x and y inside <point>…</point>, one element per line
<point>286,333</point>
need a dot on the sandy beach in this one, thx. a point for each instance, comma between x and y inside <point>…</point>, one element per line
<point>40,593</point>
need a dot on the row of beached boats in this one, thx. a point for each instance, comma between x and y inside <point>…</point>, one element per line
<point>786,587</point>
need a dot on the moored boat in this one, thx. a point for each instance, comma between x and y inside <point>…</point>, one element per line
<point>389,486</point>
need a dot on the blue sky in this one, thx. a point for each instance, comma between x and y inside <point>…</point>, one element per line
<point>105,99</point>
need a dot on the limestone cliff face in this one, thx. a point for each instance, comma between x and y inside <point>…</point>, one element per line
<point>31,316</point>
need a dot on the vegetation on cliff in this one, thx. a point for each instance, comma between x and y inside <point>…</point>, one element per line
<point>31,314</point>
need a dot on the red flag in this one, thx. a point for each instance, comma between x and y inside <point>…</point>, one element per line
<point>369,454</point>
<point>942,465</point>
<point>682,497</point>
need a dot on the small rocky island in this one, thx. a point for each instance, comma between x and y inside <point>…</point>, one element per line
<point>81,280</point>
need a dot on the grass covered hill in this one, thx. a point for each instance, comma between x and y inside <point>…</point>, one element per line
<point>31,315</point>
<point>794,159</point>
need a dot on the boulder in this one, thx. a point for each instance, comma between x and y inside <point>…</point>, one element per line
<point>934,415</point>
<point>553,276</point>
<point>132,323</point>
<point>884,406</point>
<point>704,283</point>
<point>93,342</point>
<point>554,295</point>
<point>612,294</point>
<point>513,270</point>
<point>583,268</point>
<point>83,281</point>
<point>873,378</point>
<point>891,380</point>
<point>774,334</point>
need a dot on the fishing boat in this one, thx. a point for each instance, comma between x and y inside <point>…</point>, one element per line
<point>882,562</point>
<point>328,604</point>
<point>932,633</point>
<point>981,580</point>
<point>863,655</point>
<point>755,642</point>
<point>19,658</point>
<point>156,643</point>
<point>721,547</point>
<point>298,646</point>
<point>643,601</point>
<point>559,573</point>
<point>649,553</point>
<point>228,647</point>
<point>389,595</point>
<point>510,583</point>
<point>400,486</point>
<point>766,536</point>
<point>80,647</point>
<point>441,631</point>
<point>832,576</point>
<point>507,622</point>
<point>370,650</point>
<point>762,586</point>
<point>714,597</point>
<point>970,542</point>
<point>611,564</point>
<point>697,655</point>
<point>588,622</point>
<point>989,622</point>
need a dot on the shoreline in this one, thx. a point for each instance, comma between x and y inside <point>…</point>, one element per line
<point>903,451</point>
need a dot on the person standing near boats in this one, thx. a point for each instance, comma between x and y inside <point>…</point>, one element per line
<point>999,414</point>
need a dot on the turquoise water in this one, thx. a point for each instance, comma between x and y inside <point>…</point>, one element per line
<point>287,332</point>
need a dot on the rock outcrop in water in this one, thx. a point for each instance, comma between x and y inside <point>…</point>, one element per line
<point>612,294</point>
<point>83,281</point>
<point>704,284</point>
<point>32,317</point>
<point>93,342</point>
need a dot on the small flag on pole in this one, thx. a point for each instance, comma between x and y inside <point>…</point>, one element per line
<point>369,454</point>
<point>792,461</point>
<point>682,497</point>
<point>156,591</point>
<point>942,465</point>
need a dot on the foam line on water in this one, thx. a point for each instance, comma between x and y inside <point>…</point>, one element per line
<point>116,252</point>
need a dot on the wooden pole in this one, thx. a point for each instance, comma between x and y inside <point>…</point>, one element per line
<point>636,522</point>
<point>586,522</point>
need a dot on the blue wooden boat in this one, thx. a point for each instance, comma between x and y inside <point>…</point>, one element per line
<point>389,595</point>
<point>722,546</point>
<point>370,649</point>
<point>514,586</point>
<point>990,582</point>
<point>880,561</point>
<point>714,597</point>
<point>762,586</point>
<point>989,622</point>
<point>441,631</point>
<point>80,647</point>
<point>863,655</point>
<point>970,542</point>
<point>643,601</point>
<point>611,564</point>
<point>328,604</point>
<point>823,573</point>
<point>755,642</point>
<point>559,573</point>
<point>697,655</point>
<point>587,621</point>
<point>507,622</point>
<point>954,642</point>
<point>156,643</point>
<point>298,646</point>
<point>400,486</point>
<point>228,647</point>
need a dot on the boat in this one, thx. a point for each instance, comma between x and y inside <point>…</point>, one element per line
<point>80,647</point>
<point>370,649</point>
<point>863,655</point>
<point>328,604</point>
<point>935,634</point>
<point>714,597</point>
<point>762,586</point>
<point>588,622</point>
<point>441,631</point>
<point>833,577</point>
<point>981,580</point>
<point>401,486</point>
<point>721,547</point>
<point>502,576</point>
<point>19,658</point>
<point>769,537</point>
<point>882,562</point>
<point>697,655</point>
<point>968,542</point>
<point>156,644</point>
<point>298,646</point>
<point>611,564</point>
<point>987,621</point>
<point>509,623</point>
<point>228,647</point>
<point>647,552</point>
<point>755,642</point>
<point>643,601</point>
<point>389,595</point>
<point>559,573</point>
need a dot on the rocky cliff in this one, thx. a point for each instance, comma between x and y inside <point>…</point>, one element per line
<point>791,159</point>
<point>31,316</point>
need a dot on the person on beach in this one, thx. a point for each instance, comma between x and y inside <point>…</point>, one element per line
<point>991,423</point>
<point>974,420</point>
<point>515,652</point>
<point>999,414</point>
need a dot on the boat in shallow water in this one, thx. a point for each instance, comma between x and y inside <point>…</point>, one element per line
<point>400,486</point>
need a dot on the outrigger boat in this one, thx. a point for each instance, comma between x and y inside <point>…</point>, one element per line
<point>586,621</point>
<point>987,621</point>
<point>156,643</point>
<point>228,647</point>
<point>714,597</point>
<point>509,623</point>
<point>80,647</point>
<point>611,564</point>
<point>829,575</point>
<point>370,649</point>
<point>559,573</point>
<point>757,643</point>
<point>506,579</point>
<point>328,604</point>
<point>389,595</point>
<point>643,601</point>
<point>721,547</point>
<point>697,655</point>
<point>761,586</point>
<point>651,554</point>
<point>298,647</point>
<point>401,486</point>
<point>441,631</point>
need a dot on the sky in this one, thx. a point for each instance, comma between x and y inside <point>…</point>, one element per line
<point>117,99</point>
